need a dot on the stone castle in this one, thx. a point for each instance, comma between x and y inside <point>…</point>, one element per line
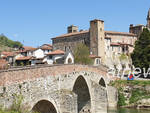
<point>102,44</point>
<point>137,29</point>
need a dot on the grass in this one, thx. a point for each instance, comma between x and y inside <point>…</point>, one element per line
<point>120,83</point>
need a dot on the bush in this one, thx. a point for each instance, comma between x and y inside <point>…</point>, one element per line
<point>121,99</point>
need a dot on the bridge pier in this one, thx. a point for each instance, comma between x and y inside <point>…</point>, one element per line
<point>99,99</point>
<point>68,102</point>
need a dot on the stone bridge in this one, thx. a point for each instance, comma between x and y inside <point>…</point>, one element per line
<point>58,88</point>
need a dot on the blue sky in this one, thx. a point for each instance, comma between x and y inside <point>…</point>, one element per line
<point>34,22</point>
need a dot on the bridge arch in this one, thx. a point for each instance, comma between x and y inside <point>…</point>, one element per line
<point>81,88</point>
<point>45,106</point>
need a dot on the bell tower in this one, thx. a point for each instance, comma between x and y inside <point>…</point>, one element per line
<point>148,19</point>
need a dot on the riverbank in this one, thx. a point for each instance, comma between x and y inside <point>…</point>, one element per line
<point>127,110</point>
<point>133,94</point>
<point>17,106</point>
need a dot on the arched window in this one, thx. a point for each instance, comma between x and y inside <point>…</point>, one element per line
<point>102,82</point>
<point>69,61</point>
<point>97,61</point>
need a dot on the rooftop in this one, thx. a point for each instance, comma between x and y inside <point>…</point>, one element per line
<point>94,56</point>
<point>46,47</point>
<point>56,52</point>
<point>27,48</point>
<point>115,44</point>
<point>119,33</point>
<point>8,53</point>
<point>24,58</point>
<point>87,31</point>
<point>71,34</point>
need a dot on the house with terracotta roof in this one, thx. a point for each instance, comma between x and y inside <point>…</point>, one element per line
<point>23,60</point>
<point>103,44</point>
<point>3,64</point>
<point>29,55</point>
<point>9,57</point>
<point>46,48</point>
<point>43,55</point>
<point>59,57</point>
<point>27,50</point>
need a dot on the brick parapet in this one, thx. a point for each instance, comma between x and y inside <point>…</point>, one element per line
<point>17,75</point>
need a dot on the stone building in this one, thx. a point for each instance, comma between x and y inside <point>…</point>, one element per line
<point>137,29</point>
<point>101,43</point>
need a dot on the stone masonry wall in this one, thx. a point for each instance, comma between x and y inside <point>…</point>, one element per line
<point>54,84</point>
<point>71,42</point>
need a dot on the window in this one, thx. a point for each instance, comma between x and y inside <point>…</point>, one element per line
<point>50,57</point>
<point>65,48</point>
<point>107,47</point>
<point>123,49</point>
<point>69,61</point>
<point>112,48</point>
<point>97,61</point>
<point>118,48</point>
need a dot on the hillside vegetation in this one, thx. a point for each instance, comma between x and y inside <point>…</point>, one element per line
<point>133,93</point>
<point>8,45</point>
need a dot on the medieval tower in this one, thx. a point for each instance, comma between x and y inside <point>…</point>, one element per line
<point>97,40</point>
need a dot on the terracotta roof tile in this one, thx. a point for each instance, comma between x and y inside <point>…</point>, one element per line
<point>118,44</point>
<point>71,34</point>
<point>94,56</point>
<point>119,33</point>
<point>24,58</point>
<point>126,44</point>
<point>3,61</point>
<point>46,48</point>
<point>115,44</point>
<point>6,54</point>
<point>87,31</point>
<point>28,48</point>
<point>47,45</point>
<point>56,52</point>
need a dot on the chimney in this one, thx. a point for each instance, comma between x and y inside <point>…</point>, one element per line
<point>131,28</point>
<point>72,29</point>
<point>81,30</point>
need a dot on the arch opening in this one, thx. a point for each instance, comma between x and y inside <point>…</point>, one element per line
<point>83,96</point>
<point>44,106</point>
<point>102,82</point>
<point>69,61</point>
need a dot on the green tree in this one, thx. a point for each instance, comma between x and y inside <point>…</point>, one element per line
<point>141,54</point>
<point>123,59</point>
<point>9,43</point>
<point>81,54</point>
